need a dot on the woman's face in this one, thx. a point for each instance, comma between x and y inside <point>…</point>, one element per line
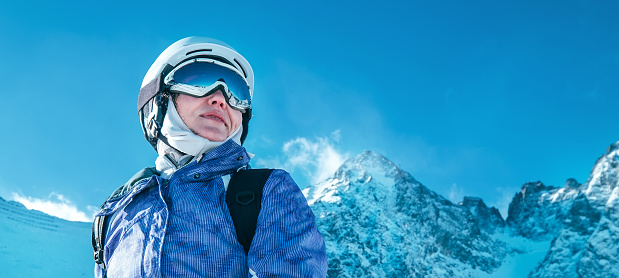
<point>209,117</point>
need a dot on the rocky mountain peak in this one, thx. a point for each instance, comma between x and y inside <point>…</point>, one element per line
<point>489,219</point>
<point>571,183</point>
<point>604,179</point>
<point>470,201</point>
<point>369,171</point>
<point>369,165</point>
<point>613,148</point>
<point>534,187</point>
<point>529,210</point>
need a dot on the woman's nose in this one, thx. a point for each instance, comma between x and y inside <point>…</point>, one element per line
<point>217,98</point>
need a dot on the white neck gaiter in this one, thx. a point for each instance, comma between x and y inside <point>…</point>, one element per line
<point>181,138</point>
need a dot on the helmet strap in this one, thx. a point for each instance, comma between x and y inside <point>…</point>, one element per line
<point>246,117</point>
<point>154,120</point>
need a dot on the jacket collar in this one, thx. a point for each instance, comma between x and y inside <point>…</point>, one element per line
<point>226,158</point>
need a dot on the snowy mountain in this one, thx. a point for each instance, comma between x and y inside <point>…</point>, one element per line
<point>34,244</point>
<point>582,221</point>
<point>379,221</point>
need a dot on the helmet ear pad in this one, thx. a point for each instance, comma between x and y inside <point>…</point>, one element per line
<point>151,118</point>
<point>246,118</point>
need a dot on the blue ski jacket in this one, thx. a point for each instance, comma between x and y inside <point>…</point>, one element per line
<point>181,227</point>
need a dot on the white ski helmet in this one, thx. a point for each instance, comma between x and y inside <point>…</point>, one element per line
<point>153,97</point>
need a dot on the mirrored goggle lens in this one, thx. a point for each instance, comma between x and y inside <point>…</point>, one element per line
<point>205,74</point>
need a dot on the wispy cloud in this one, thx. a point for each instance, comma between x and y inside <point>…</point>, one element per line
<point>56,205</point>
<point>456,194</point>
<point>505,195</point>
<point>315,159</point>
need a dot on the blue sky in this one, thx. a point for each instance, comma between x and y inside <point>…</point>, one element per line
<point>472,98</point>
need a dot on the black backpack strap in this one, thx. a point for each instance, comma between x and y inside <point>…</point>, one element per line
<point>99,225</point>
<point>98,240</point>
<point>243,198</point>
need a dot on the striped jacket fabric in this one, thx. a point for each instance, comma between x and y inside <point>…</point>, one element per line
<point>181,227</point>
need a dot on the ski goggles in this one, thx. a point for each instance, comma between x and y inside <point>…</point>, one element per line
<point>201,77</point>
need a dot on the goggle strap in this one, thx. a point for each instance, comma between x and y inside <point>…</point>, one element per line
<point>153,88</point>
<point>149,91</point>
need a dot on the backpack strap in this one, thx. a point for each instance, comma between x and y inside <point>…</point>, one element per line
<point>99,225</point>
<point>244,197</point>
<point>98,240</point>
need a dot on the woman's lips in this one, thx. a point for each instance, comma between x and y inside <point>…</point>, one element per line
<point>214,116</point>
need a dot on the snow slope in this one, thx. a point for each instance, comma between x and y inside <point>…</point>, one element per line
<point>34,244</point>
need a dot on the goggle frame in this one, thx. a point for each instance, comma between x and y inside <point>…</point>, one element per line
<point>236,100</point>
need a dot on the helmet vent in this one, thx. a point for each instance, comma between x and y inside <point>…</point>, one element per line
<point>237,62</point>
<point>198,50</point>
